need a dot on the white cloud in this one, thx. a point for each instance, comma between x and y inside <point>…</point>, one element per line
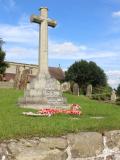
<point>18,34</point>
<point>19,54</point>
<point>69,50</point>
<point>116,14</point>
<point>24,35</point>
<point>63,48</point>
<point>113,78</point>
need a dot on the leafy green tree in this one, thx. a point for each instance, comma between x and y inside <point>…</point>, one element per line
<point>84,73</point>
<point>3,64</point>
<point>118,90</point>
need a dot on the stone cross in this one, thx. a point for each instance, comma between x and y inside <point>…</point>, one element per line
<point>43,22</point>
<point>44,91</point>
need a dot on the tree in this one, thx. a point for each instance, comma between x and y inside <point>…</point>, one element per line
<point>3,64</point>
<point>118,90</point>
<point>84,73</point>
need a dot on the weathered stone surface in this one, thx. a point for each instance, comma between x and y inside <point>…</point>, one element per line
<point>42,92</point>
<point>99,158</point>
<point>113,96</point>
<point>113,139</point>
<point>52,143</point>
<point>110,157</point>
<point>38,149</point>
<point>117,156</point>
<point>65,86</point>
<point>4,84</point>
<point>89,90</point>
<point>82,146</point>
<point>85,144</point>
<point>4,152</point>
<point>41,155</point>
<point>76,89</point>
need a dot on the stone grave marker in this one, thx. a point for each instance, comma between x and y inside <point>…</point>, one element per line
<point>76,89</point>
<point>89,90</point>
<point>113,96</point>
<point>65,86</point>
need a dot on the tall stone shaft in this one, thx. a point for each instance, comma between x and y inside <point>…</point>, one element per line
<point>43,22</point>
<point>43,42</point>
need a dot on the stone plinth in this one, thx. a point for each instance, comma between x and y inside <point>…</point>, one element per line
<point>43,91</point>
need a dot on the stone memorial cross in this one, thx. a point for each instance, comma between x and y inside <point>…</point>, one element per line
<point>44,22</point>
<point>43,91</point>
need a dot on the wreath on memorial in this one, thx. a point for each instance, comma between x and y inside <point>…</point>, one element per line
<point>75,109</point>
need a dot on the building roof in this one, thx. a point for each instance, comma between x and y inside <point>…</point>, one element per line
<point>57,73</point>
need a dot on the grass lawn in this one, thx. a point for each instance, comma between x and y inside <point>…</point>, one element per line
<point>14,125</point>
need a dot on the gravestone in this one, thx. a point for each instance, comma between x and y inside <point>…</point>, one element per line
<point>89,90</point>
<point>65,86</point>
<point>44,90</point>
<point>113,96</point>
<point>76,89</point>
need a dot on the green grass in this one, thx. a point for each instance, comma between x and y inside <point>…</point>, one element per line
<point>14,125</point>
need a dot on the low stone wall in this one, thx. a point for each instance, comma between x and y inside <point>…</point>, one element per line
<point>6,84</point>
<point>81,146</point>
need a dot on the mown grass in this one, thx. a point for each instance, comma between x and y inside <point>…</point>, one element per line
<point>14,125</point>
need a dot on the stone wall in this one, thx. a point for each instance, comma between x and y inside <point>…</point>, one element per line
<point>81,146</point>
<point>13,65</point>
<point>6,84</point>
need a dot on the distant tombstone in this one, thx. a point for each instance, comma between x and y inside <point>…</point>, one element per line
<point>89,90</point>
<point>76,89</point>
<point>113,96</point>
<point>65,86</point>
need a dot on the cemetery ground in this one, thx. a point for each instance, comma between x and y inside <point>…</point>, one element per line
<point>15,125</point>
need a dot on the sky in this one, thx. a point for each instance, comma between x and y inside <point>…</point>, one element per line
<point>86,29</point>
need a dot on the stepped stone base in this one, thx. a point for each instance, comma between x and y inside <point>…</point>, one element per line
<point>43,91</point>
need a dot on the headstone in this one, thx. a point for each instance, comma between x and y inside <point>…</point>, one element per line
<point>89,90</point>
<point>65,86</point>
<point>76,89</point>
<point>113,96</point>
<point>43,91</point>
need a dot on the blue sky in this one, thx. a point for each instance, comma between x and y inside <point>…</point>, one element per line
<point>87,29</point>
